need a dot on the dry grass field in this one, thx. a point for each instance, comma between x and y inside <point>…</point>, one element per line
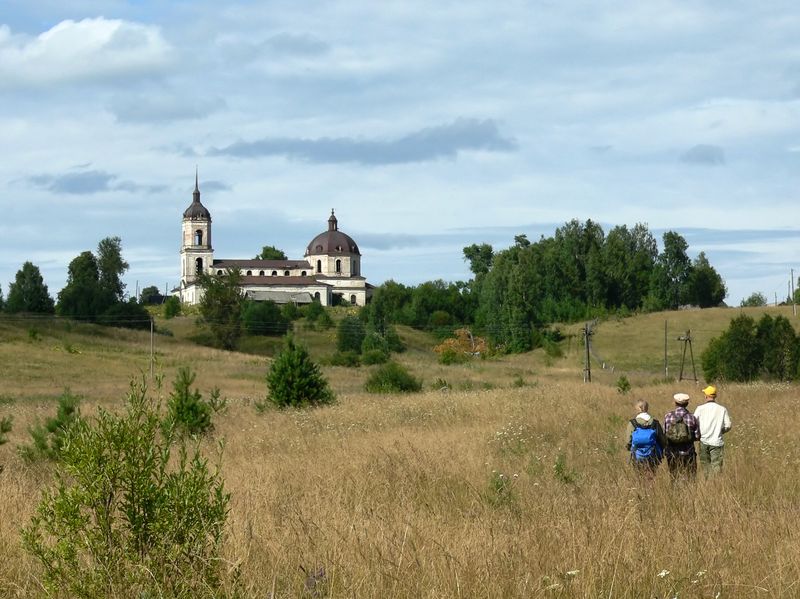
<point>513,483</point>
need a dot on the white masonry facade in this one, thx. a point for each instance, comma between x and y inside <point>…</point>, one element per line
<point>331,266</point>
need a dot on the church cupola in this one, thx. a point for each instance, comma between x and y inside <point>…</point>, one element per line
<point>197,255</point>
<point>196,210</point>
<point>333,224</point>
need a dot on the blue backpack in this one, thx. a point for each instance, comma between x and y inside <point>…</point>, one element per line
<point>644,443</point>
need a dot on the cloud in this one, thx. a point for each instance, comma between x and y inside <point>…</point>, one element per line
<point>215,186</point>
<point>431,143</point>
<point>162,107</point>
<point>90,49</point>
<point>704,154</point>
<point>295,44</point>
<point>89,182</point>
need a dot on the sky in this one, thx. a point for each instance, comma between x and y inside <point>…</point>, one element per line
<point>427,126</point>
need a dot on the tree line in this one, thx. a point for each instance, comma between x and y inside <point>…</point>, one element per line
<point>94,291</point>
<point>580,272</point>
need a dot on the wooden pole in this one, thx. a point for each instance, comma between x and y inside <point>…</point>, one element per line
<point>587,370</point>
<point>152,345</point>
<point>666,363</point>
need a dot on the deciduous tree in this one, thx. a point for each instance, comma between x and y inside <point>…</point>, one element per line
<point>221,306</point>
<point>270,252</point>
<point>28,293</point>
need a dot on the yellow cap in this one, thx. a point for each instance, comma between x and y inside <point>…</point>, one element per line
<point>710,390</point>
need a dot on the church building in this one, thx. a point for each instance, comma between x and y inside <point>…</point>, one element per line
<point>331,266</point>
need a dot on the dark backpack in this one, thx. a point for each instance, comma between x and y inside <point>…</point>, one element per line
<point>644,443</point>
<point>678,433</point>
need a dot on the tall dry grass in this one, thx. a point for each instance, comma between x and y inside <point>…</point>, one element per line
<point>514,483</point>
<point>401,496</point>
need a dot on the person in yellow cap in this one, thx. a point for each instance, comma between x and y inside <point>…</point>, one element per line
<point>714,422</point>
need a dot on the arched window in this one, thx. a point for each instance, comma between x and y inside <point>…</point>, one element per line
<point>338,266</point>
<point>219,272</point>
<point>354,268</point>
<point>249,273</point>
<point>274,273</point>
<point>353,299</point>
<point>303,273</point>
<point>198,266</point>
<point>319,265</point>
<point>316,295</point>
<point>198,237</point>
<point>285,273</point>
<point>260,273</point>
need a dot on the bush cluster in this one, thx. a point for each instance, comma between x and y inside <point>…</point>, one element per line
<point>392,378</point>
<point>749,350</point>
<point>127,517</point>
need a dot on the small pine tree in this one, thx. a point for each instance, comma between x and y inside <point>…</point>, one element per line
<point>187,409</point>
<point>48,438</point>
<point>294,380</point>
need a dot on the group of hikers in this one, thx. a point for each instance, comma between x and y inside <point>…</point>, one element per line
<point>649,443</point>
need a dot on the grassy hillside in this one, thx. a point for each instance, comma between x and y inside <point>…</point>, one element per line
<point>402,495</point>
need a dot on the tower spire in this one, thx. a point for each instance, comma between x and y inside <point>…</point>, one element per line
<point>196,193</point>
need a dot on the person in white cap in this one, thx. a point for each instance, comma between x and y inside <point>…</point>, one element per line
<point>681,430</point>
<point>714,422</point>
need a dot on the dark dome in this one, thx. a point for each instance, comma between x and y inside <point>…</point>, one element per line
<point>196,208</point>
<point>332,241</point>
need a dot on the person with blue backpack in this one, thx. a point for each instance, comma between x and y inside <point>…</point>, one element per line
<point>646,440</point>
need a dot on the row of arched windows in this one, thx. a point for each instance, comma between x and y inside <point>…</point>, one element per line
<point>338,268</point>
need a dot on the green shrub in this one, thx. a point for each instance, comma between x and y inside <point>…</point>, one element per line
<point>350,334</point>
<point>5,428</point>
<point>375,356</point>
<point>623,385</point>
<point>294,380</point>
<point>392,378</point>
<point>313,311</point>
<point>187,409</point>
<point>562,472</point>
<point>450,355</point>
<point>264,318</point>
<point>47,440</point>
<point>125,516</point>
<point>129,315</point>
<point>172,307</point>
<point>290,311</point>
<point>393,340</point>
<point>374,341</point>
<point>440,385</point>
<point>324,322</point>
<point>349,359</point>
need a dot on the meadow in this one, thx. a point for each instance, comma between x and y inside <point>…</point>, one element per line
<point>505,477</point>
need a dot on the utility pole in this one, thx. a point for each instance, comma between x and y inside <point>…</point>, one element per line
<point>152,344</point>
<point>687,340</point>
<point>587,369</point>
<point>666,363</point>
<point>791,286</point>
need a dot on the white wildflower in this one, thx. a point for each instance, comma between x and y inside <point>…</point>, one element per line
<point>663,573</point>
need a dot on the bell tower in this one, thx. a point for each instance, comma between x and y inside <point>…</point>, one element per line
<point>197,255</point>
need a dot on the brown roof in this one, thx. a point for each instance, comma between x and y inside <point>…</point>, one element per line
<point>280,281</point>
<point>262,264</point>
